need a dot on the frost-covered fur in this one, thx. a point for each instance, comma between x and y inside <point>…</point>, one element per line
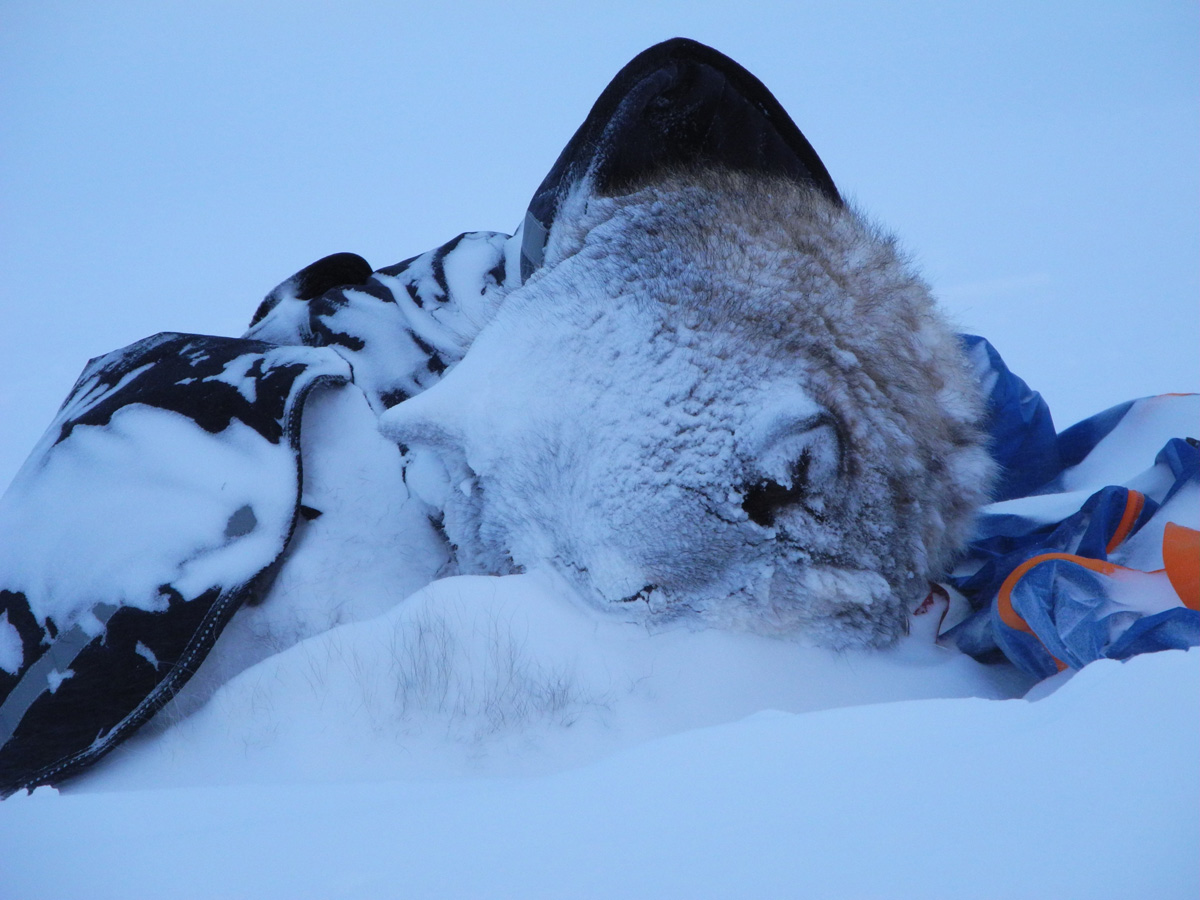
<point>723,398</point>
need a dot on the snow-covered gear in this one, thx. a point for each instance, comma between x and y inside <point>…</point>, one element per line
<point>152,509</point>
<point>186,548</point>
<point>165,493</point>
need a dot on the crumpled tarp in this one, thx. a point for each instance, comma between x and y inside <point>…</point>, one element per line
<point>1065,568</point>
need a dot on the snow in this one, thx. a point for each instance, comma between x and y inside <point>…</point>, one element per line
<point>174,506</point>
<point>11,652</point>
<point>926,798</point>
<point>367,550</point>
<point>1149,424</point>
<point>494,736</point>
<point>480,675</point>
<point>521,745</point>
<point>56,677</point>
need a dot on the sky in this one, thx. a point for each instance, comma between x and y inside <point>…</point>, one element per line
<point>162,166</point>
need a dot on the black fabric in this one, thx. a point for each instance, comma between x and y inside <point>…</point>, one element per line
<point>114,689</point>
<point>182,377</point>
<point>329,272</point>
<point>677,104</point>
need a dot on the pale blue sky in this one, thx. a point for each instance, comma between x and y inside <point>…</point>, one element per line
<point>163,165</point>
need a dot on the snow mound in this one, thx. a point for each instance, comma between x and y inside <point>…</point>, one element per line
<point>510,675</point>
<point>1088,792</point>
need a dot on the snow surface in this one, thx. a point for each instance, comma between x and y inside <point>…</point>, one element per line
<point>479,675</point>
<point>1089,792</point>
<point>527,748</point>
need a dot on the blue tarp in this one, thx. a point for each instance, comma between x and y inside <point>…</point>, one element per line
<point>1045,575</point>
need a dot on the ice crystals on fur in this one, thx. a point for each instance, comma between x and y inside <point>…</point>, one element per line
<point>723,396</point>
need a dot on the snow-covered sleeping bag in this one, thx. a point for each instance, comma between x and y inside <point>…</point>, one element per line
<point>171,488</point>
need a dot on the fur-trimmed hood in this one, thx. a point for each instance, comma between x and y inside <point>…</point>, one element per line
<point>789,437</point>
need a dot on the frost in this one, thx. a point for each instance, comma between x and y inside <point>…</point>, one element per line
<point>669,409</point>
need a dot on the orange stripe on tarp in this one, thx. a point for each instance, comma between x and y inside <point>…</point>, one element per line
<point>1013,619</point>
<point>1134,502</point>
<point>1181,556</point>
